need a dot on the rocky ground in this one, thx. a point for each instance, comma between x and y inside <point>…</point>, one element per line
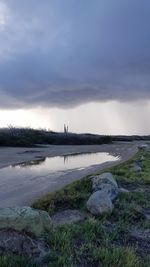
<point>102,220</point>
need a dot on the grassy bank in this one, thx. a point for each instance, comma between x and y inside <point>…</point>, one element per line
<point>103,241</point>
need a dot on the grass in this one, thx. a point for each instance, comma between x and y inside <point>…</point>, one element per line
<point>100,241</point>
<point>71,196</point>
<point>15,261</point>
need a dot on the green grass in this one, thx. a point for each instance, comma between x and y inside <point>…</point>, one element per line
<point>99,241</point>
<point>76,194</point>
<point>71,196</point>
<point>15,261</point>
<point>120,257</point>
<point>88,244</point>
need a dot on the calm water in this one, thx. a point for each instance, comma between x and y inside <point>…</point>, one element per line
<point>22,183</point>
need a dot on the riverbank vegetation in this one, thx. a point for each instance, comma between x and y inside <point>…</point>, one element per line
<point>107,240</point>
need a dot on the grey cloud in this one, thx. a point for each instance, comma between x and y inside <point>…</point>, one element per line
<point>65,53</point>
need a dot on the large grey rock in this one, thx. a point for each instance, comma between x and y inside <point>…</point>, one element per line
<point>99,203</point>
<point>106,183</point>
<point>109,190</point>
<point>25,219</point>
<point>13,242</point>
<point>68,217</point>
<point>104,178</point>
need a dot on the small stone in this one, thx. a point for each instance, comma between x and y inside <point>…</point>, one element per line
<point>137,168</point>
<point>146,213</point>
<point>142,158</point>
<point>68,217</point>
<point>99,203</point>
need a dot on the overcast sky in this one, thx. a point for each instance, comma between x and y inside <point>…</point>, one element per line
<point>78,62</point>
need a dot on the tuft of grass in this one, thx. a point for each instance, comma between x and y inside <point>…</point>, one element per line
<point>71,196</point>
<point>15,261</point>
<point>116,257</point>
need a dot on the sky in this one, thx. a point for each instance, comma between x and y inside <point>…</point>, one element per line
<point>84,63</point>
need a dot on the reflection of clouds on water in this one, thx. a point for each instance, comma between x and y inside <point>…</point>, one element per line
<point>30,163</point>
<point>67,162</point>
<point>20,183</point>
<point>65,159</point>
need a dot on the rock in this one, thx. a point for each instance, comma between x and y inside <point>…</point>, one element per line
<point>106,183</point>
<point>68,217</point>
<point>99,203</point>
<point>25,219</point>
<point>123,190</point>
<point>137,168</point>
<point>143,147</point>
<point>110,190</point>
<point>13,242</point>
<point>138,163</point>
<point>142,158</point>
<point>104,178</point>
<point>146,213</point>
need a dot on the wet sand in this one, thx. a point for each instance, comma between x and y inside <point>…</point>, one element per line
<point>14,192</point>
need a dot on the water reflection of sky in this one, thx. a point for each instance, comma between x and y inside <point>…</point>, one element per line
<point>24,182</point>
<point>67,162</point>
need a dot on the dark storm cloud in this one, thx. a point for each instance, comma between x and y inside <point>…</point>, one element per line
<point>66,52</point>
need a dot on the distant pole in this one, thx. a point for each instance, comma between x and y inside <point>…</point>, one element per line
<point>65,129</point>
